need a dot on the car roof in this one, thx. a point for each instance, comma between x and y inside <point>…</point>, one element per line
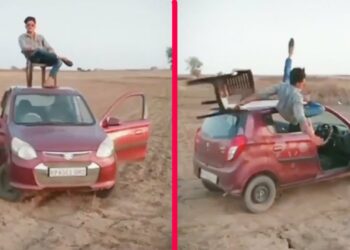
<point>41,90</point>
<point>258,105</point>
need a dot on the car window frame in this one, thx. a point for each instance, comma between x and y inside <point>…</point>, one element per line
<point>275,131</point>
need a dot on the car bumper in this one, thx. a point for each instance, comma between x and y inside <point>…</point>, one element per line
<point>34,175</point>
<point>225,176</point>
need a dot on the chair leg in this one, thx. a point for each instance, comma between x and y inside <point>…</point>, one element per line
<point>43,75</point>
<point>29,74</point>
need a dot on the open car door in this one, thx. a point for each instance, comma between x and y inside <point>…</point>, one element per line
<point>5,108</point>
<point>126,123</point>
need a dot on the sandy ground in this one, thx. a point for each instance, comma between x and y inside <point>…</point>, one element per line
<point>310,217</point>
<point>138,214</point>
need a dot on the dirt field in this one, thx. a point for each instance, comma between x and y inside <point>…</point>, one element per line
<point>138,214</point>
<point>312,217</point>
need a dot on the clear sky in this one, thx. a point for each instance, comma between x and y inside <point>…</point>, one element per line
<point>112,34</point>
<point>227,34</point>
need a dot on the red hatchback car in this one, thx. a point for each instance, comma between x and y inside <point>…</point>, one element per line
<point>250,153</point>
<point>49,139</point>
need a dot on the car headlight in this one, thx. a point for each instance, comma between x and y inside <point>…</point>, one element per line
<point>23,149</point>
<point>106,148</point>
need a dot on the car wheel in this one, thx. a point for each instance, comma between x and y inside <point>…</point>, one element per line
<point>7,192</point>
<point>211,187</point>
<point>260,194</point>
<point>104,193</point>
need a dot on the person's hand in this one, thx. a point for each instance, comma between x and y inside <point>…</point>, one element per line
<point>307,98</point>
<point>29,48</point>
<point>237,107</point>
<point>318,141</point>
<point>242,102</point>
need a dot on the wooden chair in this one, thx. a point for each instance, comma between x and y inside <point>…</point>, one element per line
<point>29,73</point>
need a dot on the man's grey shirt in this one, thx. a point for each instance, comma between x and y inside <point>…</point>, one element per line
<point>290,102</point>
<point>27,42</point>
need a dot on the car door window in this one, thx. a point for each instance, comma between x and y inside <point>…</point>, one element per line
<point>329,118</point>
<point>131,109</point>
<point>82,113</point>
<point>276,123</point>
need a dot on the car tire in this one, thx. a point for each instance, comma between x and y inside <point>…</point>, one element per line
<point>211,187</point>
<point>7,192</point>
<point>104,193</point>
<point>260,194</point>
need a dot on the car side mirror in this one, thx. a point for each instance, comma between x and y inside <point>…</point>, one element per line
<point>110,121</point>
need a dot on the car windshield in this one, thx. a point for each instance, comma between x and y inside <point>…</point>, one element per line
<point>51,109</point>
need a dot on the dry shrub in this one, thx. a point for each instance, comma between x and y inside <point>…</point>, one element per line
<point>330,94</point>
<point>323,89</point>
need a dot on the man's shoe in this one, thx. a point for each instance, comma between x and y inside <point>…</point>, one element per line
<point>291,47</point>
<point>67,62</point>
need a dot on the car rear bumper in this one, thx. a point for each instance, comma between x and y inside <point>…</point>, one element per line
<point>35,176</point>
<point>225,176</point>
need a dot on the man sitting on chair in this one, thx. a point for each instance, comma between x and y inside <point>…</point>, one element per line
<point>36,49</point>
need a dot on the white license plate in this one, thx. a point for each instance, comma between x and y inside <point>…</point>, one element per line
<point>208,176</point>
<point>58,172</point>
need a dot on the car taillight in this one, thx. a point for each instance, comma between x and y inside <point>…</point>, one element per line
<point>236,147</point>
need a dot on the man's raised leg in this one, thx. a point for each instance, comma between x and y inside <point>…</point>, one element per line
<point>288,61</point>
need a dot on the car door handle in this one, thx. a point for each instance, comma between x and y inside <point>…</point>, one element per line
<point>277,147</point>
<point>138,132</point>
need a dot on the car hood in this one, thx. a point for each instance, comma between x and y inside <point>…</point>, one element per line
<point>60,138</point>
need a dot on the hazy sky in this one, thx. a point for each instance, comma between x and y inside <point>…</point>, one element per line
<point>93,33</point>
<point>227,34</point>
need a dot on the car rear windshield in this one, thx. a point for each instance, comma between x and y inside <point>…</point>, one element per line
<point>221,126</point>
<point>51,109</point>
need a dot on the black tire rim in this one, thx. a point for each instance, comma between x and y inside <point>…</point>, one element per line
<point>261,193</point>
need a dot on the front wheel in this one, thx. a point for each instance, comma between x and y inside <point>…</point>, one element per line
<point>7,192</point>
<point>260,194</point>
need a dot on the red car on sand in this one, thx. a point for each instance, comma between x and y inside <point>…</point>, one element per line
<point>49,139</point>
<point>249,152</point>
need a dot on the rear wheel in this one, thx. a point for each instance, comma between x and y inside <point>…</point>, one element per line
<point>104,193</point>
<point>7,192</point>
<point>260,194</point>
<point>211,187</point>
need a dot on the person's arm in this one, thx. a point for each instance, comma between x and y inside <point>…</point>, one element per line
<point>305,124</point>
<point>261,96</point>
<point>47,46</point>
<point>248,99</point>
<point>26,48</point>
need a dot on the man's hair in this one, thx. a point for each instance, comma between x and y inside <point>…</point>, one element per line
<point>29,18</point>
<point>297,75</point>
